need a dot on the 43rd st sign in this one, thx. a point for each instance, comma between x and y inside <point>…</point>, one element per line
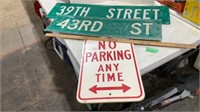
<point>109,73</point>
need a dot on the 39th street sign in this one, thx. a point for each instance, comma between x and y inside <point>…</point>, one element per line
<point>135,29</point>
<point>112,12</point>
<point>104,76</point>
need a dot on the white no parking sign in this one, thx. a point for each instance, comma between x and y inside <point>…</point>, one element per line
<point>109,73</point>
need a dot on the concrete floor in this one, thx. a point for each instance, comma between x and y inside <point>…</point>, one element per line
<point>32,77</point>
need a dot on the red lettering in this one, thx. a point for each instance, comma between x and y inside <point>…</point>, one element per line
<point>119,75</point>
<point>103,78</point>
<point>114,55</point>
<point>108,67</point>
<point>116,66</point>
<point>88,54</point>
<point>127,54</point>
<point>111,77</point>
<point>100,68</point>
<point>112,47</point>
<point>108,77</point>
<point>98,77</point>
<point>102,55</point>
<point>109,56</point>
<point>101,45</point>
<point>120,55</point>
<point>94,57</point>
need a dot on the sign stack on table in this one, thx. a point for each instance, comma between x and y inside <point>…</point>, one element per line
<point>135,22</point>
<point>109,70</point>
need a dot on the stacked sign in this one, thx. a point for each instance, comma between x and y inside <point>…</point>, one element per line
<point>109,70</point>
<point>109,73</point>
<point>136,22</point>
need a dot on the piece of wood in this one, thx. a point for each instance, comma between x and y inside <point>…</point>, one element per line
<point>137,42</point>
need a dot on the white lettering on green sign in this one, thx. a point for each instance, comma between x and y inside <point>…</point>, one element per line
<point>137,29</point>
<point>85,25</point>
<point>130,14</point>
<point>64,10</point>
<point>96,26</point>
<point>137,26</point>
<point>112,12</point>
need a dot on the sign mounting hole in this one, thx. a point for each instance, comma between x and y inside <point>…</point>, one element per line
<point>110,94</point>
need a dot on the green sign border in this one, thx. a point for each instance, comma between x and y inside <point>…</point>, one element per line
<point>119,28</point>
<point>61,9</point>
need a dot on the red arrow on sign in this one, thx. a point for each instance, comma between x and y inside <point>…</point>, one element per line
<point>124,87</point>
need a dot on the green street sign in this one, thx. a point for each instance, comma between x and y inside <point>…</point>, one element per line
<point>112,12</point>
<point>119,28</point>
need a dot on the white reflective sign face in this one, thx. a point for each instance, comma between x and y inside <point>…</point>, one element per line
<point>109,73</point>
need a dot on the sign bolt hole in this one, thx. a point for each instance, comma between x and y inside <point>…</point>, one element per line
<point>109,93</point>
